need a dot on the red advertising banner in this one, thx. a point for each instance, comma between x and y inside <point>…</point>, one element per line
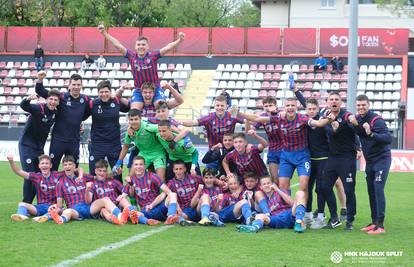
<point>370,41</point>
<point>263,40</point>
<point>299,41</point>
<point>228,40</point>
<point>158,37</point>
<point>56,39</point>
<point>88,39</point>
<point>402,161</point>
<point>196,41</point>
<point>21,39</point>
<point>2,38</point>
<point>126,35</point>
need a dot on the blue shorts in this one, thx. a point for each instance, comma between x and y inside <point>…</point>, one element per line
<point>227,214</point>
<point>158,213</point>
<point>137,95</point>
<point>273,157</point>
<point>84,210</point>
<point>41,209</point>
<point>191,214</point>
<point>283,219</point>
<point>289,160</point>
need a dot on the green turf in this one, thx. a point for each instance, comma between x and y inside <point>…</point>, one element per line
<point>31,244</point>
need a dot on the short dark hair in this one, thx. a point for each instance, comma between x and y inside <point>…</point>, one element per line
<point>42,157</point>
<point>103,84</point>
<point>209,171</point>
<point>269,100</point>
<point>53,92</point>
<point>148,85</point>
<point>164,123</point>
<point>362,98</point>
<point>141,38</point>
<point>290,99</point>
<point>331,93</point>
<point>68,158</point>
<point>101,163</point>
<point>139,158</point>
<point>312,101</point>
<point>75,77</point>
<point>221,98</point>
<point>266,177</point>
<point>162,105</point>
<point>179,162</point>
<point>228,134</point>
<point>134,112</point>
<point>239,135</point>
<point>248,175</point>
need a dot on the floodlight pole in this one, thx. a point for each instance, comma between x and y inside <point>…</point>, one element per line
<point>352,56</point>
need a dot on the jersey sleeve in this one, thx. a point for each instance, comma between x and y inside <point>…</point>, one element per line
<point>119,187</point>
<point>239,119</point>
<point>123,108</point>
<point>380,132</point>
<point>40,90</point>
<point>204,120</point>
<point>156,54</point>
<point>171,186</point>
<point>275,119</point>
<point>34,177</point>
<point>88,178</point>
<point>303,119</point>
<point>254,150</point>
<point>127,139</point>
<point>229,157</point>
<point>150,127</point>
<point>156,180</point>
<point>130,55</point>
<point>32,109</point>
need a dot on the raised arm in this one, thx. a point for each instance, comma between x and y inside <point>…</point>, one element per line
<point>285,196</point>
<point>177,100</point>
<point>26,106</point>
<point>114,42</point>
<point>262,142</point>
<point>39,88</point>
<point>17,170</point>
<point>89,193</point>
<point>322,122</point>
<point>252,117</point>
<point>189,123</point>
<point>172,45</point>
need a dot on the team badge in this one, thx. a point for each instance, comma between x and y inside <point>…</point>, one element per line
<point>148,61</point>
<point>192,182</point>
<point>91,158</point>
<point>52,155</point>
<point>28,161</point>
<point>44,119</point>
<point>82,100</point>
<point>181,191</point>
<point>112,105</point>
<point>99,109</point>
<point>43,187</point>
<point>72,189</point>
<point>109,183</point>
<point>339,119</point>
<point>137,191</point>
<point>68,103</point>
<point>297,125</point>
<point>100,191</point>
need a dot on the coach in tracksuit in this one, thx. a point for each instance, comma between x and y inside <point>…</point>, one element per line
<point>105,130</point>
<point>343,146</point>
<point>31,143</point>
<point>72,110</point>
<point>375,140</point>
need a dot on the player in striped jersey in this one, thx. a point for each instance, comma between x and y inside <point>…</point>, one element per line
<point>279,209</point>
<point>45,182</point>
<point>145,187</point>
<point>143,64</point>
<point>72,190</point>
<point>246,157</point>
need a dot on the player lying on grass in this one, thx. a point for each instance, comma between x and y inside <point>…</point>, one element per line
<point>280,211</point>
<point>72,190</point>
<point>235,203</point>
<point>145,187</point>
<point>45,182</point>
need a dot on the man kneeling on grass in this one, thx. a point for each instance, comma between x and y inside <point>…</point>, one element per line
<point>279,210</point>
<point>73,191</point>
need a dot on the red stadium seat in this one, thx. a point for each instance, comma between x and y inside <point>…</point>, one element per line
<point>19,74</point>
<point>6,81</point>
<point>67,82</point>
<point>302,77</point>
<point>57,74</point>
<point>336,77</point>
<point>278,68</point>
<point>324,95</point>
<point>48,65</point>
<point>262,93</point>
<point>7,91</point>
<point>124,66</point>
<point>33,74</point>
<point>300,86</point>
<point>271,93</point>
<point>310,77</point>
<point>78,65</point>
<point>267,76</point>
<point>3,73</point>
<point>316,95</point>
<point>253,67</point>
<point>342,94</point>
<point>328,76</point>
<point>307,94</point>
<point>276,76</point>
<point>265,85</point>
<point>274,85</point>
<point>23,91</point>
<point>308,86</point>
<point>96,74</point>
<point>17,65</point>
<point>32,65</point>
<point>171,67</point>
<point>262,68</point>
<point>2,64</point>
<point>259,103</point>
<point>344,76</point>
<point>343,85</point>
<point>9,100</point>
<point>270,68</point>
<point>303,68</point>
<point>21,82</point>
<point>319,76</point>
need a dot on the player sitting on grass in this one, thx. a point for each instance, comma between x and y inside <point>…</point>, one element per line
<point>45,182</point>
<point>235,203</point>
<point>280,211</point>
<point>186,187</point>
<point>102,185</point>
<point>145,187</point>
<point>72,190</point>
<point>208,199</point>
<point>245,156</point>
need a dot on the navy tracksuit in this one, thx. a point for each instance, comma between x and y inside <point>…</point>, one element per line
<point>377,153</point>
<point>66,132</point>
<point>105,131</point>
<point>216,156</point>
<point>33,140</point>
<point>341,162</point>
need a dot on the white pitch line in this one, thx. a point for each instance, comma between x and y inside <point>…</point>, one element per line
<point>113,246</point>
<point>294,185</point>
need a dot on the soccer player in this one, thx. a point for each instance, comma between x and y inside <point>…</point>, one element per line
<point>235,203</point>
<point>245,156</point>
<point>218,152</point>
<point>216,123</point>
<point>185,185</point>
<point>35,133</point>
<point>295,153</point>
<point>105,130</point>
<point>280,210</point>
<point>143,64</point>
<point>72,190</point>
<point>176,150</point>
<point>375,140</point>
<point>274,136</point>
<point>145,187</point>
<point>45,182</point>
<point>341,161</point>
<point>71,112</point>
<point>146,141</point>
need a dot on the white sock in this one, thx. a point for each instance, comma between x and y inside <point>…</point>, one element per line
<point>308,215</point>
<point>321,216</point>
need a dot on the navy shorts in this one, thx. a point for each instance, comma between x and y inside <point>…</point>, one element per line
<point>84,210</point>
<point>41,209</point>
<point>273,157</point>
<point>137,95</point>
<point>191,214</point>
<point>283,219</point>
<point>158,213</point>
<point>227,214</point>
<point>289,160</point>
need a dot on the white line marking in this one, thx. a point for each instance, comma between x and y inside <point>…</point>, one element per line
<point>294,185</point>
<point>113,246</point>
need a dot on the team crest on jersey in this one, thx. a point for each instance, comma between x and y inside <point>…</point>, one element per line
<point>100,191</point>
<point>68,103</point>
<point>148,61</point>
<point>339,119</point>
<point>81,100</point>
<point>112,105</point>
<point>137,191</point>
<point>109,183</point>
<point>52,155</point>
<point>297,125</point>
<point>192,182</point>
<point>72,189</point>
<point>181,191</point>
<point>44,119</point>
<point>43,187</point>
<point>99,109</point>
<point>28,161</point>
<point>91,158</point>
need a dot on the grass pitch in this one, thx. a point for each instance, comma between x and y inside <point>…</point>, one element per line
<point>32,244</point>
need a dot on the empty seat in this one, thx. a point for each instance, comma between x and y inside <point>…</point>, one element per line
<point>239,85</point>
<point>251,76</point>
<point>270,68</point>
<point>234,76</point>
<point>259,76</point>
<point>257,85</point>
<point>231,85</point>
<point>379,86</point>
<point>248,85</point>
<point>237,67</point>
<point>396,95</point>
<point>389,69</point>
<point>262,68</point>
<point>378,96</point>
<point>380,77</point>
<point>398,68</point>
<point>236,93</point>
<point>278,68</point>
<point>242,76</point>
<point>179,67</point>
<point>245,68</point>
<point>397,77</point>
<point>389,77</point>
<point>246,93</point>
<point>225,76</point>
<point>386,105</point>
<point>287,68</point>
<point>363,69</point>
<point>229,67</point>
<point>295,68</point>
<point>371,77</point>
<point>380,68</point>
<point>335,86</point>
<point>396,86</point>
<point>388,86</point>
<point>377,105</point>
<point>372,69</point>
<point>222,84</point>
